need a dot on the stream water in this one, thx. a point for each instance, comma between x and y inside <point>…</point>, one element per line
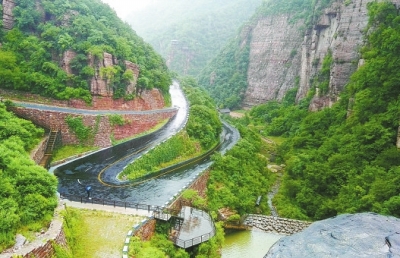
<point>248,243</point>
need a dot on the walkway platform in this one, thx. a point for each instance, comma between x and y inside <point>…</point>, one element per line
<point>197,227</point>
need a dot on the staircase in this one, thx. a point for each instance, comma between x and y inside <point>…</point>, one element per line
<point>54,137</point>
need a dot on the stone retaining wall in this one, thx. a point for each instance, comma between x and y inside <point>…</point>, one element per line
<point>38,153</point>
<point>149,100</point>
<point>42,246</point>
<point>276,224</point>
<point>134,124</point>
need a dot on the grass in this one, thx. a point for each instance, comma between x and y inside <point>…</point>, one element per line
<point>99,233</point>
<point>71,150</point>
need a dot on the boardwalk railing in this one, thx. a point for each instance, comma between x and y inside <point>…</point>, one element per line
<point>194,241</point>
<point>137,206</point>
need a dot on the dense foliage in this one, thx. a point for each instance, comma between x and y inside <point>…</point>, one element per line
<point>225,77</point>
<point>201,134</point>
<point>344,159</point>
<point>240,176</point>
<point>27,192</point>
<point>190,33</point>
<point>160,246</point>
<point>31,53</point>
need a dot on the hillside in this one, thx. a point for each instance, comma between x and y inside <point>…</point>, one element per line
<point>309,47</point>
<point>343,159</point>
<point>189,33</point>
<point>75,49</point>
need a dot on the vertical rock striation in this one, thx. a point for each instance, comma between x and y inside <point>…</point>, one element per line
<point>284,55</point>
<point>274,60</point>
<point>8,17</point>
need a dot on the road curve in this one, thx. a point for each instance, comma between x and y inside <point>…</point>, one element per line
<point>109,162</point>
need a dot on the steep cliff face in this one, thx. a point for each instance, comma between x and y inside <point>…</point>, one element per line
<point>100,85</point>
<point>8,17</point>
<point>283,55</point>
<point>274,60</point>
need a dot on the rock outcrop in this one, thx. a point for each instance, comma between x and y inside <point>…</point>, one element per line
<point>131,88</point>
<point>8,17</point>
<point>274,60</point>
<point>398,138</point>
<point>67,57</point>
<point>356,235</point>
<point>284,55</point>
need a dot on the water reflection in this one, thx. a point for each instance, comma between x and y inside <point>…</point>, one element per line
<point>248,243</point>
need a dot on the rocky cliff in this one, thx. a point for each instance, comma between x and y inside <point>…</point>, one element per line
<point>286,55</point>
<point>8,17</point>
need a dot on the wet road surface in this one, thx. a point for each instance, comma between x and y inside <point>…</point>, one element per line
<point>106,164</point>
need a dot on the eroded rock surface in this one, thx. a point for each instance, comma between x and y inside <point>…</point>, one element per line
<point>356,235</point>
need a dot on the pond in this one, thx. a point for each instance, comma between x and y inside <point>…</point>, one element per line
<point>248,243</point>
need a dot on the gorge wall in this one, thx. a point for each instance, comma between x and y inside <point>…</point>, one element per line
<point>285,55</point>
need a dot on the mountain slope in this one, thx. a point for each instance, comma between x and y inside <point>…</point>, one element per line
<point>189,33</point>
<point>311,46</point>
<point>75,49</point>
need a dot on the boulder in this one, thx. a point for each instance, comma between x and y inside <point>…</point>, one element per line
<point>347,235</point>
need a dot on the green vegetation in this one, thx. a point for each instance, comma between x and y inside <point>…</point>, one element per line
<point>321,81</point>
<point>190,33</point>
<point>201,134</point>
<point>240,176</point>
<point>177,149</point>
<point>32,52</point>
<point>225,77</point>
<point>27,193</point>
<point>344,159</point>
<point>160,246</point>
<point>85,134</point>
<point>67,151</point>
<point>116,120</point>
<point>92,233</point>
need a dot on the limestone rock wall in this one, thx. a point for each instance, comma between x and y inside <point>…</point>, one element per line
<point>135,69</point>
<point>66,61</point>
<point>99,85</point>
<point>8,17</point>
<point>274,59</point>
<point>281,51</point>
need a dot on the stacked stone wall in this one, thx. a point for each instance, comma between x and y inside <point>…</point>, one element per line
<point>146,231</point>
<point>276,224</point>
<point>38,153</point>
<point>135,124</point>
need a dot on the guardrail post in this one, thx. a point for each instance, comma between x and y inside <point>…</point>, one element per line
<point>114,204</point>
<point>125,205</point>
<point>81,200</point>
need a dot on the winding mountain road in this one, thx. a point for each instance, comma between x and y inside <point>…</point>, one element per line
<point>99,170</point>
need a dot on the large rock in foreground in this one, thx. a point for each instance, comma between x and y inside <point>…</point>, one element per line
<point>358,235</point>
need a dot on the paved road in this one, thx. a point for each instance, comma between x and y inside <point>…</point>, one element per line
<point>88,111</point>
<point>109,162</point>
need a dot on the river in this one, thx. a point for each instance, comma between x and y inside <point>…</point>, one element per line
<point>248,243</point>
